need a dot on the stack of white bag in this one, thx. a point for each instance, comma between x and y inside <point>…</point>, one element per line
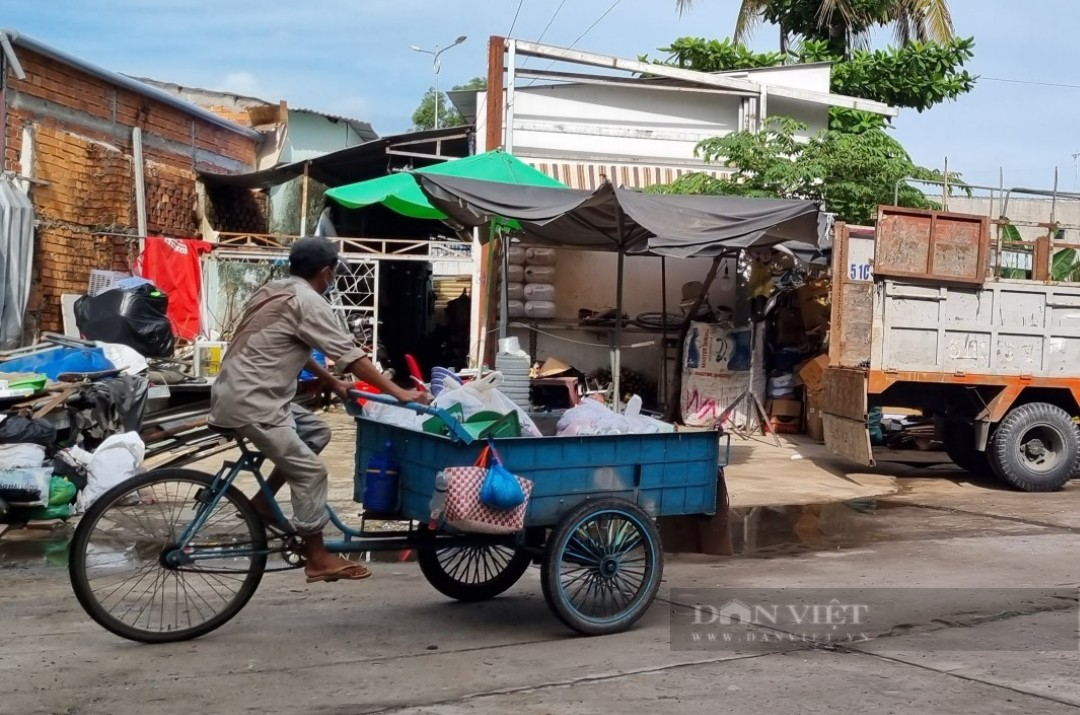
<point>593,417</point>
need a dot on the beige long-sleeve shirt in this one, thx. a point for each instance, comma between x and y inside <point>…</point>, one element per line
<point>281,325</point>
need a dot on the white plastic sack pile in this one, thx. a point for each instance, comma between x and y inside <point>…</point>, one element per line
<point>118,458</point>
<point>592,417</point>
<point>18,456</point>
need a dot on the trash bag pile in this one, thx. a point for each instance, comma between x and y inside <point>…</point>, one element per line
<point>40,480</point>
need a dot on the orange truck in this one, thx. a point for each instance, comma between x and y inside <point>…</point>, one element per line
<point>958,316</point>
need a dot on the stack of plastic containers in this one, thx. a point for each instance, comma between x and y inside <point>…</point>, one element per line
<point>539,288</point>
<point>514,364</point>
<point>515,282</point>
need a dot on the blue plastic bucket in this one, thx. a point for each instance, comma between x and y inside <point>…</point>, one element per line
<point>381,489</point>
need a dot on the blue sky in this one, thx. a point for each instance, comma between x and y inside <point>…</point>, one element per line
<point>351,57</point>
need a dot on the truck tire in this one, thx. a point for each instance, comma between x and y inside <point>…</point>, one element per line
<point>960,446</point>
<point>1036,448</point>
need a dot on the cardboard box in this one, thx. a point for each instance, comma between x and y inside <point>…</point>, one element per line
<point>812,373</point>
<point>813,302</point>
<point>784,408</point>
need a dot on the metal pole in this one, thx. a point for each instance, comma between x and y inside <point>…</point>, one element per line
<point>504,311</point>
<point>140,182</point>
<point>435,66</point>
<point>945,188</point>
<point>511,80</point>
<point>616,350</point>
<point>303,201</point>
<point>663,329</point>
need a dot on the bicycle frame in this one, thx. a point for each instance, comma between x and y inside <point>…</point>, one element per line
<point>354,541</point>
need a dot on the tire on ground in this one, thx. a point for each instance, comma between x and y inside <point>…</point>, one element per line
<point>1036,448</point>
<point>960,446</point>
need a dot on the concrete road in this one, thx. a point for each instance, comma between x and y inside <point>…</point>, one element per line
<point>393,645</point>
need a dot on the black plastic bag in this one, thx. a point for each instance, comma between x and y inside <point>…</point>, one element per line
<point>136,317</point>
<point>21,430</point>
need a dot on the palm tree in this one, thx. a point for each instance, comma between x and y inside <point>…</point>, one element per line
<point>844,23</point>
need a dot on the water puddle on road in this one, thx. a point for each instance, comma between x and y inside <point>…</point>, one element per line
<point>764,532</point>
<point>29,548</point>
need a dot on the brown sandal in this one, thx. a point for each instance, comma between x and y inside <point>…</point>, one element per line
<point>351,572</point>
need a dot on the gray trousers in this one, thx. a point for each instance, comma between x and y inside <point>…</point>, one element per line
<point>294,449</point>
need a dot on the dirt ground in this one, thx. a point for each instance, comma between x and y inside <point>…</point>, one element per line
<point>938,555</point>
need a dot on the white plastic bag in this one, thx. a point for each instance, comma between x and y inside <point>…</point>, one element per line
<point>117,459</point>
<point>483,394</point>
<point>26,487</point>
<point>17,456</point>
<point>127,360</point>
<point>392,415</point>
<point>591,417</point>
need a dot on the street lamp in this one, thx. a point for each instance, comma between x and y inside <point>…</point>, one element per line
<point>436,65</point>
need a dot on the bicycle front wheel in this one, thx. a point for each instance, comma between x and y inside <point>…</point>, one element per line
<point>124,564</point>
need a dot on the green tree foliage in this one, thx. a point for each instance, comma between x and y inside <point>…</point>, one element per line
<point>424,116</point>
<point>843,24</point>
<point>917,75</point>
<point>853,173</point>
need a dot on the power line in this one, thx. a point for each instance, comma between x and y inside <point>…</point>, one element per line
<point>516,14</point>
<point>590,27</point>
<point>546,28</point>
<point>548,25</point>
<point>1028,81</point>
<point>582,35</point>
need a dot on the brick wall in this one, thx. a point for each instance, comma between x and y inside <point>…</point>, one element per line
<point>80,127</point>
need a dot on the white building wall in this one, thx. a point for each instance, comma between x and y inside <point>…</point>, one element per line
<point>634,137</point>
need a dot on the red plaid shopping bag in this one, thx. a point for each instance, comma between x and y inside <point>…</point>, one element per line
<point>465,512</point>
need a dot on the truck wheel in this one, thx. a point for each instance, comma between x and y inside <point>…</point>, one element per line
<point>960,446</point>
<point>1036,448</point>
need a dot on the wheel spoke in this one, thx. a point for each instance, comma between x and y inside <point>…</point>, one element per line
<point>122,560</point>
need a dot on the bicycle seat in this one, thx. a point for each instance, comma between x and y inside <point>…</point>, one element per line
<point>223,431</point>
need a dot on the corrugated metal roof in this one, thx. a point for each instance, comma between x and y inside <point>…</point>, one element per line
<point>20,40</point>
<point>362,128</point>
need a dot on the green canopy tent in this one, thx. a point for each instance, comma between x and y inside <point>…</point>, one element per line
<point>400,192</point>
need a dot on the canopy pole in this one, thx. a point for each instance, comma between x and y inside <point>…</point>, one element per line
<point>616,349</point>
<point>504,297</point>
<point>663,330</point>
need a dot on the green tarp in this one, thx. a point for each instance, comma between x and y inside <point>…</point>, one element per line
<point>400,193</point>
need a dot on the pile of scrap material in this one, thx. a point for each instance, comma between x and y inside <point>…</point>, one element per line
<point>909,432</point>
<point>67,409</point>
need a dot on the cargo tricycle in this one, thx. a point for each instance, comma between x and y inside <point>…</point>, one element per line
<point>173,554</point>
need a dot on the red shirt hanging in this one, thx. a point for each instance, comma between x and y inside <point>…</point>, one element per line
<point>173,266</point>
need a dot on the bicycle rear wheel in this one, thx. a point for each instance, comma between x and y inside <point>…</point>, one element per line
<point>122,572</point>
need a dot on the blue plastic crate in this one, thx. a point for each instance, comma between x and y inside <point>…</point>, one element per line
<point>665,474</point>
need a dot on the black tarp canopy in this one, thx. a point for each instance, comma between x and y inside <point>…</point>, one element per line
<point>630,222</point>
<point>614,219</point>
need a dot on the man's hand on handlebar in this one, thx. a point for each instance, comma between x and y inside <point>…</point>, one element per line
<point>422,398</point>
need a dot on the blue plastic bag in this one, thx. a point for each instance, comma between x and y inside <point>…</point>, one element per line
<point>500,489</point>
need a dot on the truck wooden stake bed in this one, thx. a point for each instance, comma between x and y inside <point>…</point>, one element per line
<point>929,313</point>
